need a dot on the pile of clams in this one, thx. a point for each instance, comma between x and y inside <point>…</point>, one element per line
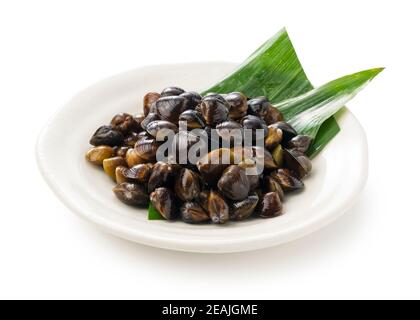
<point>200,191</point>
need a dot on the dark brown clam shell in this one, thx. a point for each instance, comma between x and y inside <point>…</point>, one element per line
<point>233,183</point>
<point>300,143</point>
<point>131,139</point>
<point>214,109</point>
<point>163,200</point>
<point>107,136</point>
<point>148,100</point>
<point>140,173</point>
<point>217,207</point>
<point>170,107</point>
<point>146,148</point>
<point>254,123</point>
<point>187,185</point>
<point>132,194</point>
<point>259,106</point>
<point>181,145</point>
<point>193,99</point>
<point>270,205</point>
<point>230,131</point>
<point>212,165</point>
<point>192,212</point>
<point>172,91</point>
<point>288,131</point>
<point>162,175</point>
<point>193,119</point>
<point>161,128</point>
<point>242,210</point>
<point>273,115</point>
<point>238,105</point>
<point>123,122</point>
<point>270,184</point>
<point>297,162</point>
<point>252,175</point>
<point>287,179</point>
<point>152,116</point>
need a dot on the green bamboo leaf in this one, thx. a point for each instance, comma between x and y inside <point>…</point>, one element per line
<point>309,111</point>
<point>326,133</point>
<point>153,214</point>
<point>274,71</point>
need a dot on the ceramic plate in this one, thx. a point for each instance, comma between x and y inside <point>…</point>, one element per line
<point>338,176</point>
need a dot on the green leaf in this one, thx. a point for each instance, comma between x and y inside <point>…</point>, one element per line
<point>153,214</point>
<point>274,71</point>
<point>326,133</point>
<point>306,113</point>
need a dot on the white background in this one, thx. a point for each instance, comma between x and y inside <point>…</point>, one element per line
<point>49,50</point>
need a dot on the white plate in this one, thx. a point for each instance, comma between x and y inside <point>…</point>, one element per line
<point>338,176</point>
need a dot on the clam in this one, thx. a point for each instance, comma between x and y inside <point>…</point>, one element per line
<point>138,119</point>
<point>212,165</point>
<point>97,155</point>
<point>241,210</point>
<point>270,205</point>
<point>297,162</point>
<point>172,91</point>
<point>287,129</point>
<point>254,123</point>
<point>269,162</point>
<point>251,173</point>
<point>234,183</point>
<point>277,155</point>
<point>139,173</point>
<point>193,99</point>
<point>187,185</point>
<point>230,131</point>
<point>170,107</point>
<point>192,212</point>
<point>123,122</point>
<point>273,115</point>
<point>152,116</point>
<point>162,175</point>
<point>259,106</point>
<point>131,139</point>
<point>132,194</point>
<point>107,136</point>
<point>111,164</point>
<point>181,145</point>
<point>146,148</point>
<point>121,151</point>
<point>121,174</point>
<point>300,143</point>
<point>163,200</point>
<point>287,180</point>
<point>148,100</point>
<point>270,184</point>
<point>203,198</point>
<point>217,208</point>
<point>193,119</point>
<point>161,128</point>
<point>238,105</point>
<point>214,109</point>
<point>273,137</point>
<point>132,158</point>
